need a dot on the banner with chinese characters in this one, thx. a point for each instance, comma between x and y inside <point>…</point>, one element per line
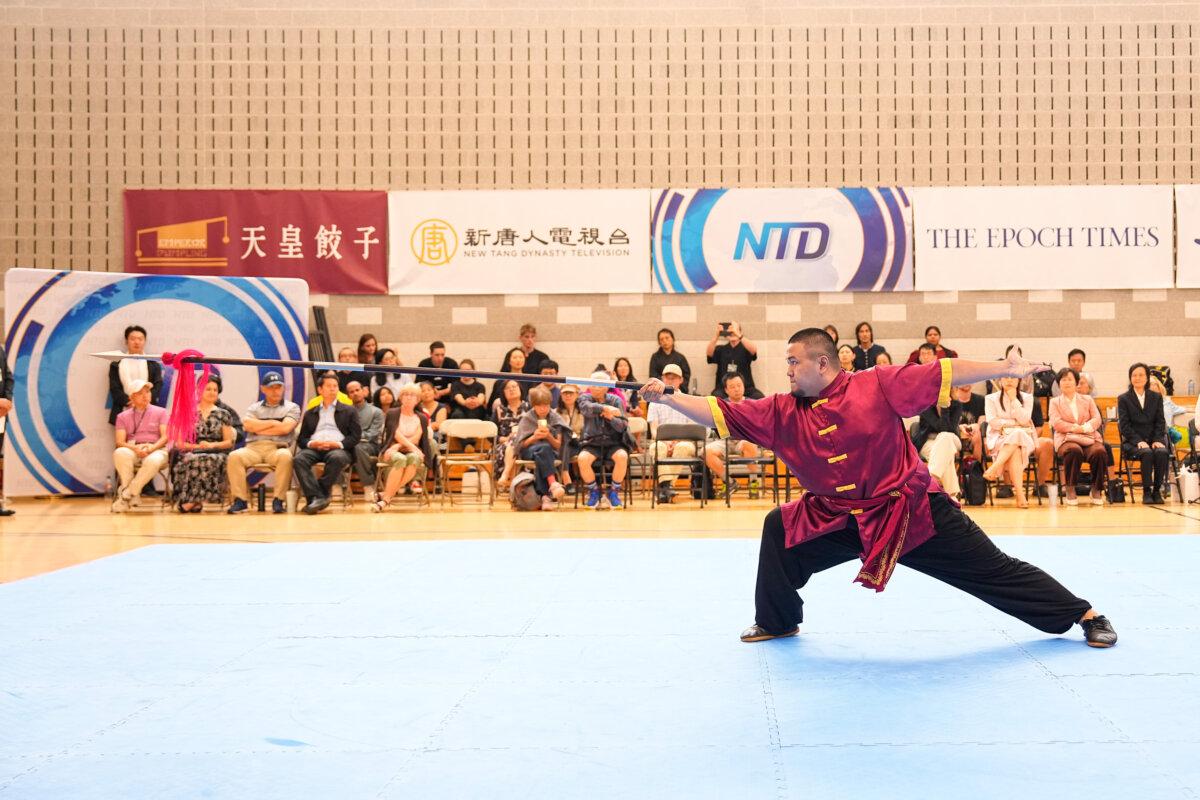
<point>1044,237</point>
<point>1187,245</point>
<point>337,241</point>
<point>59,440</point>
<point>519,242</point>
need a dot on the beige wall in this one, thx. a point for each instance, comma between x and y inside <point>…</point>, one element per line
<point>99,96</point>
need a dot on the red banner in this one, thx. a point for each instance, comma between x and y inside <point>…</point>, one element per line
<point>337,241</point>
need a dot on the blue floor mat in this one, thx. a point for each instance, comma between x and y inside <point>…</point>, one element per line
<point>586,668</point>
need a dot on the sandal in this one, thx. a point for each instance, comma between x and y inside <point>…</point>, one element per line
<point>379,506</point>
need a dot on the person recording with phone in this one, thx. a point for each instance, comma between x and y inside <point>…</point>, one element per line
<point>734,356</point>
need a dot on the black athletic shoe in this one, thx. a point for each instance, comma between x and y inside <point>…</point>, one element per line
<point>757,634</point>
<point>238,506</point>
<point>1158,498</point>
<point>1098,632</point>
<point>1147,499</point>
<point>1004,492</point>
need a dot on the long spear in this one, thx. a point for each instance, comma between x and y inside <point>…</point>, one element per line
<point>183,409</point>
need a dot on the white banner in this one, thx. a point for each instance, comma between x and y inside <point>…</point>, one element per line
<point>1187,220</point>
<point>781,240</point>
<point>58,439</point>
<point>1043,237</point>
<point>519,242</point>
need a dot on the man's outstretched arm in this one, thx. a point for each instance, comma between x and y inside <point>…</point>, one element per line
<point>695,408</point>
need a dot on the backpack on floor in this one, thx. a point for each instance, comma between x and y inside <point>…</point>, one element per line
<point>974,487</point>
<point>523,495</point>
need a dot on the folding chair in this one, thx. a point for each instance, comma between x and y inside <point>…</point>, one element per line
<point>480,436</point>
<point>740,467</point>
<point>673,432</point>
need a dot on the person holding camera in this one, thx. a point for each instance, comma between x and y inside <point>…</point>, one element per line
<point>734,356</point>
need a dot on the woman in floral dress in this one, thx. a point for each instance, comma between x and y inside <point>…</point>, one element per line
<point>198,468</point>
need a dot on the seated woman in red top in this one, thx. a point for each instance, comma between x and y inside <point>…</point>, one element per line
<point>869,496</point>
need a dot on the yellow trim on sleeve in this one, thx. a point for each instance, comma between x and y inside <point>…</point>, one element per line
<point>846,488</point>
<point>824,431</point>
<point>836,459</point>
<point>718,417</point>
<point>943,400</point>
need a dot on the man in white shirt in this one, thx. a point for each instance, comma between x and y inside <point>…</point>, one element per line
<point>661,414</point>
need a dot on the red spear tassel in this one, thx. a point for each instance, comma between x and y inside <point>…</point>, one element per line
<point>181,425</point>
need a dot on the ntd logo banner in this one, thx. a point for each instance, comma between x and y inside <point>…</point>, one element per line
<point>781,240</point>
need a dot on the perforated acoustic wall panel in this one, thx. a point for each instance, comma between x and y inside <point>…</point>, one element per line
<point>470,94</point>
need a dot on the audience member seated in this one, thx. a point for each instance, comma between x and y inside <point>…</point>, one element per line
<point>550,369</point>
<point>269,425</point>
<point>124,372</point>
<point>1010,435</point>
<point>733,358</point>
<point>514,364</point>
<point>392,380</point>
<point>667,354</point>
<point>539,438</point>
<point>714,452</point>
<point>1144,431</point>
<point>329,432</point>
<point>973,413</point>
<point>467,397</point>
<point>865,349</point>
<point>370,424</point>
<point>198,468</point>
<point>348,355</point>
<point>883,359</point>
<point>936,435</point>
<point>661,414</point>
<point>1171,410</point>
<point>434,411</point>
<point>933,336</point>
<point>506,413</point>
<point>833,334</point>
<point>568,409</point>
<point>603,439</point>
<point>439,360</point>
<point>239,430</point>
<point>410,452</point>
<point>141,436</point>
<point>846,357</point>
<point>368,348</point>
<point>533,357</point>
<point>623,371</point>
<point>1078,436</point>
<point>1076,359</point>
<point>384,400</point>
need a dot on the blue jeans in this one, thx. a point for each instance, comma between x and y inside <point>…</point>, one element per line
<point>542,455</point>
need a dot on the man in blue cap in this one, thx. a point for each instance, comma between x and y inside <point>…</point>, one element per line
<point>269,423</point>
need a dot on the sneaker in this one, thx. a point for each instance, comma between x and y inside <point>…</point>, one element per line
<point>755,487</point>
<point>134,500</point>
<point>614,497</point>
<point>665,494</point>
<point>120,505</point>
<point>557,491</point>
<point>1098,632</point>
<point>238,506</point>
<point>593,498</point>
<point>369,494</point>
<point>278,506</point>
<point>548,504</point>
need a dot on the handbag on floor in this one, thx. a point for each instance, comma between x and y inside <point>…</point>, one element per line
<point>974,487</point>
<point>1115,490</point>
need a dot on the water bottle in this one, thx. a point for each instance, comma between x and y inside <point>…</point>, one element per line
<point>108,489</point>
<point>1191,387</point>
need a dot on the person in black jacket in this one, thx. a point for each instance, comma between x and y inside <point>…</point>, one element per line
<point>6,387</point>
<point>329,432</point>
<point>936,433</point>
<point>125,371</point>
<point>667,354</point>
<point>1144,431</point>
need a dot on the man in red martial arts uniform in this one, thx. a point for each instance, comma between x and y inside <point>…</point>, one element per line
<point>869,496</point>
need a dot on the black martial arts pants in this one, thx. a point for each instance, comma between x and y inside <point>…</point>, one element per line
<point>959,554</point>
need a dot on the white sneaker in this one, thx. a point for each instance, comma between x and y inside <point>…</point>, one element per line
<point>548,504</point>
<point>557,491</point>
<point>369,494</point>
